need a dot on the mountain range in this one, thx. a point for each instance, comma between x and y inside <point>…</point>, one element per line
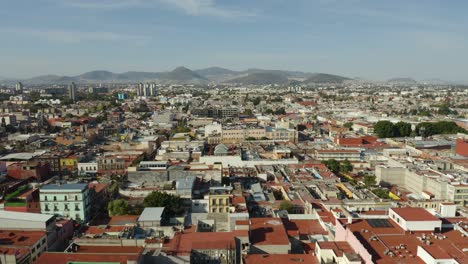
<point>185,75</point>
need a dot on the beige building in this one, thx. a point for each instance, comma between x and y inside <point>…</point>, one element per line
<point>238,135</point>
<point>233,135</point>
<point>430,183</point>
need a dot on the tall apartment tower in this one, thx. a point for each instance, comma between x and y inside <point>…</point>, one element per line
<point>72,91</point>
<point>19,87</point>
<point>146,89</point>
<point>140,89</point>
<point>153,89</point>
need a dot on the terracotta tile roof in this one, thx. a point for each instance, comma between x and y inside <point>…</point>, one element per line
<point>296,228</point>
<point>123,220</point>
<point>183,244</point>
<point>414,214</point>
<point>109,249</point>
<point>97,230</point>
<point>436,252</point>
<point>64,258</point>
<point>98,187</point>
<point>20,238</point>
<point>267,231</point>
<point>394,236</point>
<point>279,259</point>
<point>339,247</point>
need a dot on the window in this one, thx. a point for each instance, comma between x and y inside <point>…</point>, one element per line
<point>55,198</point>
<point>76,197</point>
<point>46,207</point>
<point>45,198</point>
<point>65,198</point>
<point>77,208</point>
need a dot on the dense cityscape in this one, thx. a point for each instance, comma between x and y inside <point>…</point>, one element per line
<point>233,132</point>
<point>319,170</point>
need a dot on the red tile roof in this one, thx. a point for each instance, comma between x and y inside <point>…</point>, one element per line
<point>279,259</point>
<point>338,247</point>
<point>436,252</point>
<point>414,214</point>
<point>183,244</point>
<point>392,237</point>
<point>296,228</point>
<point>267,231</point>
<point>109,249</point>
<point>21,238</point>
<point>64,258</point>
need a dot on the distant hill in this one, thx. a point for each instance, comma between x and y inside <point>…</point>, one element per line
<point>185,75</point>
<point>289,74</point>
<point>402,80</point>
<point>182,74</point>
<point>215,71</point>
<point>435,82</point>
<point>139,76</point>
<point>98,76</point>
<point>50,79</point>
<point>261,78</point>
<point>325,78</point>
<point>218,74</point>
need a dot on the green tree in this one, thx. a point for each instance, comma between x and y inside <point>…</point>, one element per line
<point>35,95</point>
<point>248,112</point>
<point>332,165</point>
<point>346,166</point>
<point>256,100</point>
<point>444,109</point>
<point>369,181</point>
<point>286,205</point>
<point>443,127</point>
<point>181,129</point>
<point>404,129</point>
<point>118,207</point>
<point>348,125</point>
<point>381,193</point>
<point>173,204</point>
<point>280,111</point>
<point>385,129</point>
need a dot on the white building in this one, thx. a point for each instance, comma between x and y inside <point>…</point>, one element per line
<point>415,219</point>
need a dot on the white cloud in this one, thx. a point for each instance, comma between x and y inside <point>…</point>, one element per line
<point>102,4</point>
<point>189,7</point>
<point>206,7</point>
<point>72,36</point>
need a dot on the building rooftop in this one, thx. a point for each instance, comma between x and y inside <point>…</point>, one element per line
<point>68,258</point>
<point>8,215</point>
<point>70,186</point>
<point>20,238</point>
<point>151,214</point>
<point>183,244</point>
<point>379,241</point>
<point>279,259</point>
<point>415,214</point>
<point>19,156</point>
<point>267,231</point>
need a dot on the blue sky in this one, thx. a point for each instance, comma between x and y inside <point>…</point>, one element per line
<point>373,39</point>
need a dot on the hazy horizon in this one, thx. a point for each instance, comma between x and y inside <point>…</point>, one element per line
<point>352,38</point>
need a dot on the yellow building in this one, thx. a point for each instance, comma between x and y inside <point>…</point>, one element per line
<point>69,163</point>
<point>219,203</point>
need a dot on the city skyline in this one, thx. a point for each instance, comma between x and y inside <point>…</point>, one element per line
<point>349,38</point>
